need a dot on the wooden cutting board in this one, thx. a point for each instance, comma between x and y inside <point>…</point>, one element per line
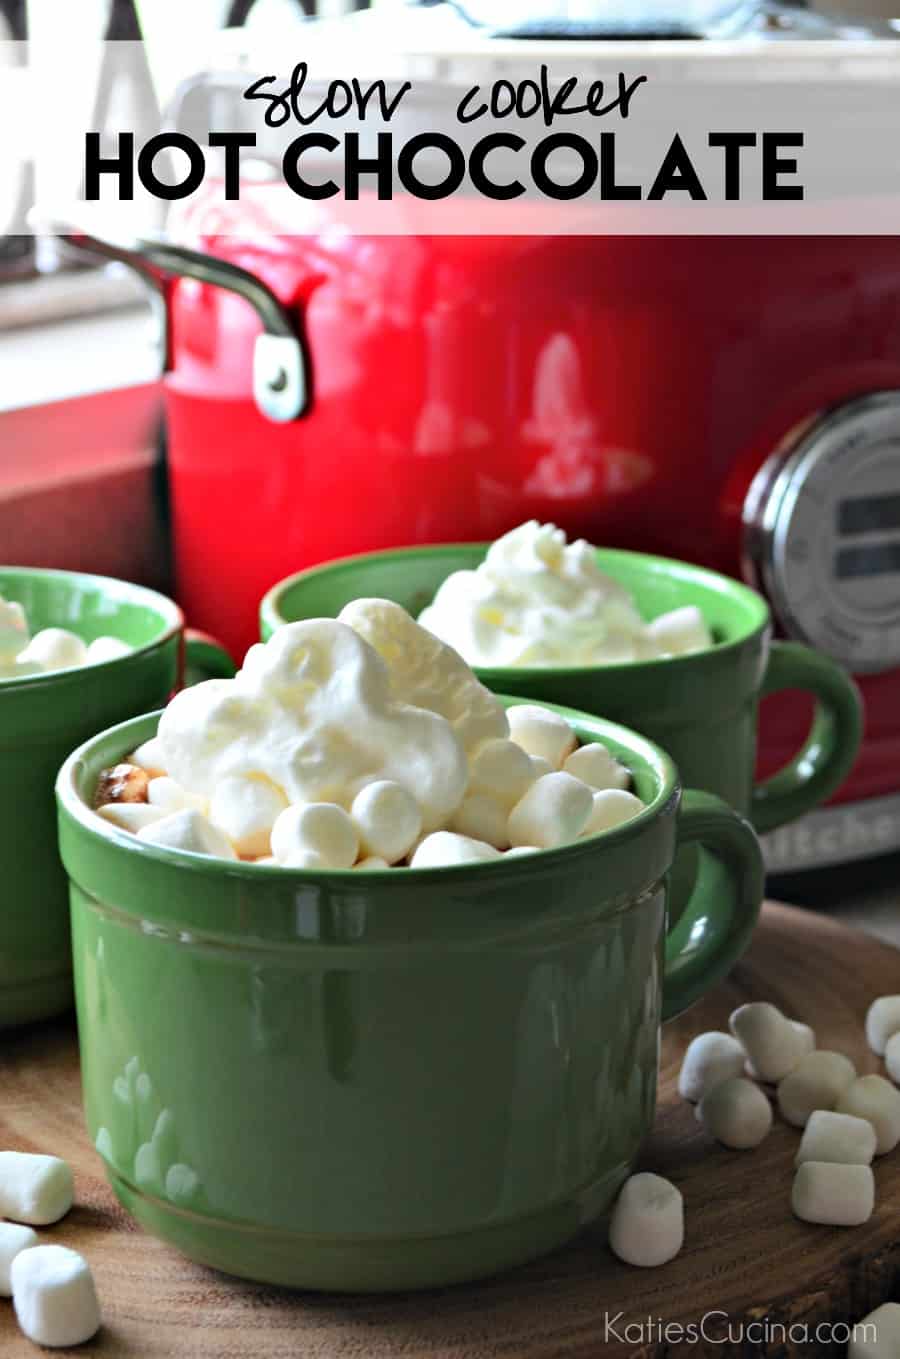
<point>746,1259</point>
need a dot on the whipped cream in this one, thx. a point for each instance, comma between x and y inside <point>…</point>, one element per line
<point>359,742</point>
<point>537,600</point>
<point>48,650</point>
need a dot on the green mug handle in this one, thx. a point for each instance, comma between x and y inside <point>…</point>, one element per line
<point>831,747</point>
<point>717,922</point>
<point>205,658</point>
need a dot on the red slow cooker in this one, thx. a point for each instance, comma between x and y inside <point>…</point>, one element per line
<point>734,401</point>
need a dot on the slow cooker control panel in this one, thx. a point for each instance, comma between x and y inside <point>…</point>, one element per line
<point>822,534</point>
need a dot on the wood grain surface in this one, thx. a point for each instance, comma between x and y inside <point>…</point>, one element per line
<point>745,1258</point>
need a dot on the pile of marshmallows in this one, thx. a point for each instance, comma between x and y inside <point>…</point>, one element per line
<point>52,1287</point>
<point>48,650</point>
<point>361,742</point>
<point>846,1120</point>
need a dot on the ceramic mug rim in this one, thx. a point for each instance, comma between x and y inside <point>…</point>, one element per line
<point>170,614</point>
<point>649,753</point>
<point>271,616</point>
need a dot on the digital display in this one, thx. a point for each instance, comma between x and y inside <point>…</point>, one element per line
<point>875,559</point>
<point>869,514</point>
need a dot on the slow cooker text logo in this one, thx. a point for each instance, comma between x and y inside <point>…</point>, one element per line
<point>532,149</point>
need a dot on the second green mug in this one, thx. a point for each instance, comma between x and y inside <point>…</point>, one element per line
<point>702,708</point>
<point>42,718</point>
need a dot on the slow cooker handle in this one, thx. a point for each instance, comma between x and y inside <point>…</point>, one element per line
<point>280,365</point>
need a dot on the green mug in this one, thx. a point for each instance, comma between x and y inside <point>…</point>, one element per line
<point>42,717</point>
<point>390,1080</point>
<point>702,708</point>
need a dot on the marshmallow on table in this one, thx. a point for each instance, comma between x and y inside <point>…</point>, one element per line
<point>55,649</point>
<point>503,771</point>
<point>772,1043</point>
<point>817,1082</point>
<point>833,1194</point>
<point>807,1044</point>
<point>553,812</point>
<point>187,830</point>
<point>245,808</point>
<point>481,818</point>
<point>882,1021</point>
<point>875,1099</point>
<point>387,820</point>
<point>710,1059</point>
<point>13,1239</point>
<point>106,649</point>
<point>319,828</point>
<point>837,1137</point>
<point>647,1223</point>
<point>877,1336</point>
<point>679,632</point>
<point>611,807</point>
<point>34,1189</point>
<point>444,848</point>
<point>736,1112</point>
<point>541,732</point>
<point>54,1296</point>
<point>892,1057</point>
<point>597,767</point>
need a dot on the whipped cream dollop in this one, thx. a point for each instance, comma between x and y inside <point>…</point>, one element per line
<point>538,600</point>
<point>361,742</point>
<point>48,650</point>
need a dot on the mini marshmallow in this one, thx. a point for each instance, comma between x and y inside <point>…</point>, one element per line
<point>301,858</point>
<point>131,816</point>
<point>832,1194</point>
<point>443,848</point>
<point>503,771</point>
<point>169,796</point>
<point>611,807</point>
<point>518,850</point>
<point>892,1057</point>
<point>710,1059</point>
<point>877,1336</point>
<point>371,865</point>
<point>19,669</point>
<point>736,1112</point>
<point>539,767</point>
<point>837,1137</point>
<point>647,1223</point>
<point>817,1082</point>
<point>597,767</point>
<point>149,756</point>
<point>244,808</point>
<point>55,649</point>
<point>107,649</point>
<point>13,631</point>
<point>387,819</point>
<point>770,1040</point>
<point>679,632</point>
<point>13,1239</point>
<point>807,1043</point>
<point>875,1099</point>
<point>553,812</point>
<point>54,1296</point>
<point>541,732</point>
<point>34,1189</point>
<point>188,830</point>
<point>882,1021</point>
<point>320,828</point>
<point>480,817</point>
